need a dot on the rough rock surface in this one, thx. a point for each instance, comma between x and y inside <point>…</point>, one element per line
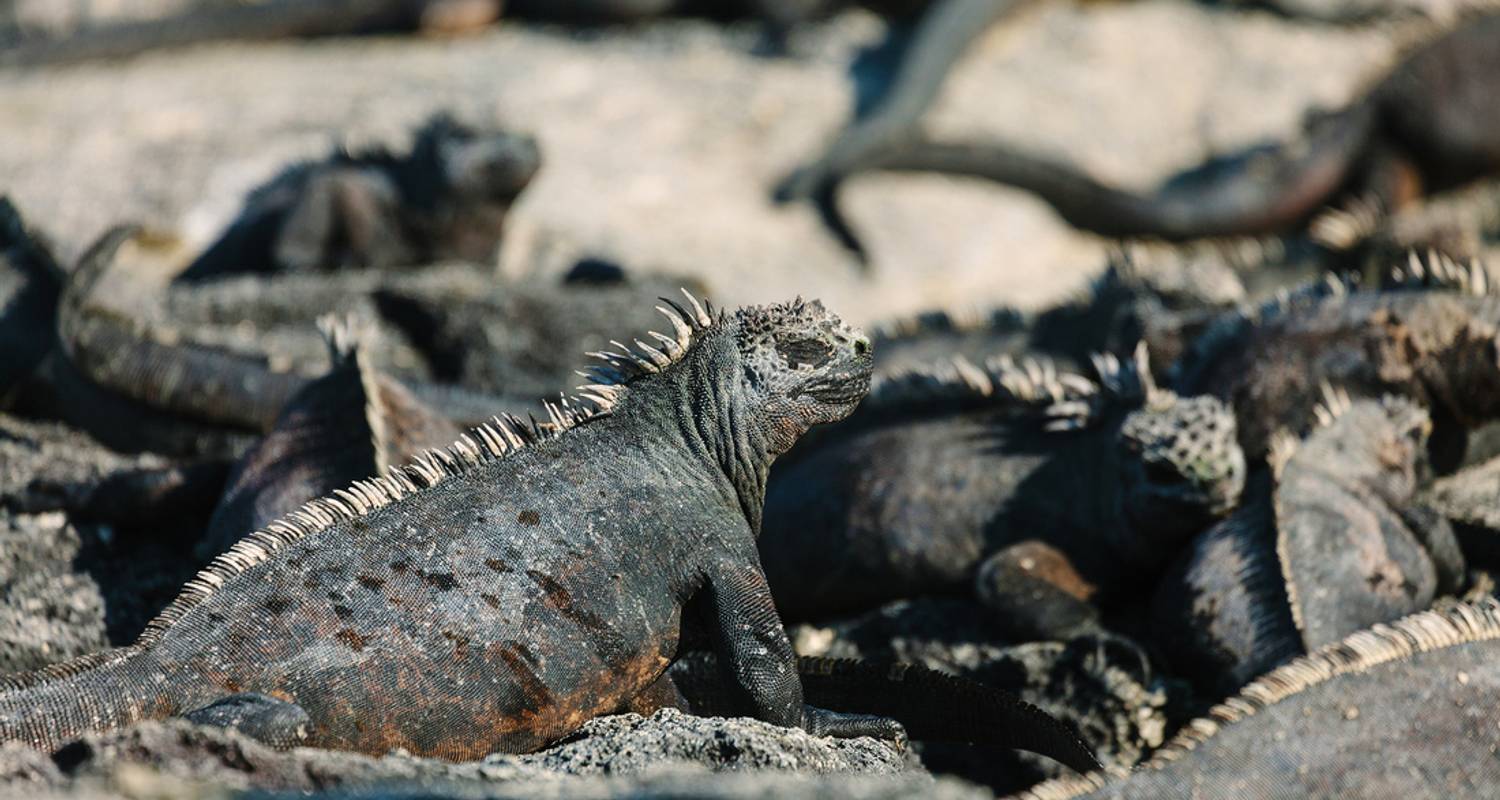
<point>48,611</point>
<point>1102,687</point>
<point>44,465</point>
<point>610,756</point>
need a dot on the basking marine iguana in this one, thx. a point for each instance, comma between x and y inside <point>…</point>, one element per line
<point>347,425</point>
<point>343,427</point>
<point>1429,124</point>
<point>940,470</point>
<point>1159,294</point>
<point>109,361</point>
<point>1398,710</point>
<point>446,199</point>
<point>568,558</point>
<point>1432,338</point>
<point>1330,542</point>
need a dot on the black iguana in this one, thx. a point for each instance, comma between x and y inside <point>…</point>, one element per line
<point>446,199</point>
<point>1433,342</point>
<point>1329,543</point>
<point>1428,125</point>
<point>350,424</point>
<point>497,594</point>
<point>1159,294</point>
<point>125,381</point>
<point>939,470</point>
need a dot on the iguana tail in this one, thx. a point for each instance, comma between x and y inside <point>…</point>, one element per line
<point>1263,191</point>
<point>101,691</point>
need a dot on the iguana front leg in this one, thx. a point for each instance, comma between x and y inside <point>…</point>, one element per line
<point>757,657</point>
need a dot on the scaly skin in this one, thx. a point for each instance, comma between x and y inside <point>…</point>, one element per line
<point>1400,710</point>
<point>496,595</point>
<point>1332,546</point>
<point>1434,346</point>
<point>446,199</point>
<point>116,368</point>
<point>350,424</point>
<point>929,478</point>
<point>1151,292</point>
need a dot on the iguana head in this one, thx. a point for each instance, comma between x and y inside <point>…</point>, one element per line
<point>455,161</point>
<point>800,366</point>
<point>1181,464</point>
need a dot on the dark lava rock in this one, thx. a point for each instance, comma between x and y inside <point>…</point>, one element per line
<point>668,754</point>
<point>49,610</point>
<point>1102,686</point>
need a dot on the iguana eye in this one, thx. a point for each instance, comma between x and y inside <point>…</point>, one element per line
<point>796,352</point>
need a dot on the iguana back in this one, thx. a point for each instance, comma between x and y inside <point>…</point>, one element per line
<point>497,594</point>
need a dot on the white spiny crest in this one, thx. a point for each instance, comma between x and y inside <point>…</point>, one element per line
<point>1340,229</point>
<point>1438,271</point>
<point>492,440</point>
<point>1335,403</point>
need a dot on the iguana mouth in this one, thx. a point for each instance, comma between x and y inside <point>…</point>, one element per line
<point>839,389</point>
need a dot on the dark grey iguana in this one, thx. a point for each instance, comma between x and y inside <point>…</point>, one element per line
<point>350,424</point>
<point>497,594</point>
<point>1434,345</point>
<point>1329,543</point>
<point>30,282</point>
<point>446,199</point>
<point>451,323</point>
<point>118,378</point>
<point>1429,124</point>
<point>1470,500</point>
<point>938,471</point>
<point>1461,224</point>
<point>1159,294</point>
<point>1398,710</point>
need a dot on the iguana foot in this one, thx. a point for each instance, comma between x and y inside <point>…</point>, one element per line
<point>822,722</point>
<point>277,723</point>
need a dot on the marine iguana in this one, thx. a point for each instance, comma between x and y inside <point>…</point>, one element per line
<point>559,586</point>
<point>1428,125</point>
<point>1433,341</point>
<point>1398,710</point>
<point>445,199</point>
<point>449,323</point>
<point>1329,542</point>
<point>1459,225</point>
<point>350,424</point>
<point>1147,292</point>
<point>941,469</point>
<point>30,282</point>
<point>116,368</point>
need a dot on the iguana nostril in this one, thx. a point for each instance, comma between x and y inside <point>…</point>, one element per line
<point>861,346</point>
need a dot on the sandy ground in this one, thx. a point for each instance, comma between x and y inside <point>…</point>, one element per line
<point>661,143</point>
